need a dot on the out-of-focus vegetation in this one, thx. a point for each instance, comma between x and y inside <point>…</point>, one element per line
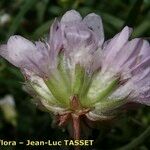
<point>32,19</point>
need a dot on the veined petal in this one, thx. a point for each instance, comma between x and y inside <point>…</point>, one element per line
<point>141,66</point>
<point>76,37</point>
<point>55,42</point>
<point>24,54</point>
<point>55,39</point>
<point>18,48</point>
<point>94,22</point>
<point>145,50</point>
<point>114,46</point>
<point>129,51</point>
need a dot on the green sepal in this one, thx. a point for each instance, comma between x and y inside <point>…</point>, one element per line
<point>85,88</point>
<point>101,91</point>
<point>78,79</point>
<point>41,93</point>
<point>106,91</point>
<point>58,88</point>
<point>64,71</point>
<point>107,105</point>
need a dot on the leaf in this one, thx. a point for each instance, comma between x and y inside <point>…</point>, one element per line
<point>137,141</point>
<point>134,13</point>
<point>116,22</point>
<point>42,29</point>
<point>41,9</point>
<point>142,28</point>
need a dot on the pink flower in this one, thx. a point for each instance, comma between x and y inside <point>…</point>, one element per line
<point>74,70</point>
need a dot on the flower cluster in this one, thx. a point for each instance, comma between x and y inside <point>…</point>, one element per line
<point>75,71</point>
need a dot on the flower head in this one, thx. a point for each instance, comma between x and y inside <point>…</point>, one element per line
<point>75,71</point>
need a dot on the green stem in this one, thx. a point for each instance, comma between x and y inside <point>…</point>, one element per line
<point>137,141</point>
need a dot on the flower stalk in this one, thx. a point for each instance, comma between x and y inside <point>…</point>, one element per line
<point>76,128</point>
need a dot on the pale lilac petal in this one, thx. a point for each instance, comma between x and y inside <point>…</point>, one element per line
<point>145,50</point>
<point>42,56</point>
<point>18,49</point>
<point>141,66</point>
<point>24,54</point>
<point>144,85</point>
<point>71,16</point>
<point>97,60</point>
<point>94,22</point>
<point>116,43</point>
<point>141,54</point>
<point>140,87</point>
<point>55,42</point>
<point>79,42</point>
<point>142,79</point>
<point>128,52</point>
<point>77,38</point>
<point>142,76</point>
<point>55,39</point>
<point>143,94</point>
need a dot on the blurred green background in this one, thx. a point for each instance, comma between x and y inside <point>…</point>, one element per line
<point>32,19</point>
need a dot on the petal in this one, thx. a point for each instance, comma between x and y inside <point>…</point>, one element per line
<point>79,42</point>
<point>141,84</point>
<point>142,51</point>
<point>97,60</point>
<point>76,38</point>
<point>94,22</point>
<point>18,49</point>
<point>144,96</point>
<point>143,79</point>
<point>128,52</point>
<point>115,45</point>
<point>55,39</point>
<point>42,55</point>
<point>141,66</point>
<point>145,50</point>
<point>71,16</point>
<point>55,42</point>
<point>24,54</point>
